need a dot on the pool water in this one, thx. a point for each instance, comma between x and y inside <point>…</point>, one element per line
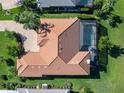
<point>87,36</point>
<point>86,2</point>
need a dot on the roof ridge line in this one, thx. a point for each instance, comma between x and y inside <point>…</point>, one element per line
<point>26,65</point>
<point>82,60</point>
<point>76,19</point>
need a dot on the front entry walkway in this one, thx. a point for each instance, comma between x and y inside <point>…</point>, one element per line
<point>30,40</point>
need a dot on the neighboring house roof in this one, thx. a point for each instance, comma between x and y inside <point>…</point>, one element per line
<point>8,91</point>
<point>48,60</point>
<point>63,3</point>
<point>23,90</point>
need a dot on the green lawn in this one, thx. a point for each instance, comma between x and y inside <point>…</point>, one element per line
<point>113,80</point>
<point>13,11</point>
<point>3,69</point>
<point>5,41</point>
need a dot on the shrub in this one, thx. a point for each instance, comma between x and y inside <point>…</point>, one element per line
<point>30,19</point>
<point>97,13</point>
<point>1,10</point>
<point>13,51</point>
<point>68,85</point>
<point>10,76</point>
<point>10,62</point>
<point>87,90</point>
<point>85,16</point>
<point>104,43</point>
<point>103,60</point>
<point>98,4</point>
<point>2,85</point>
<point>9,85</point>
<point>9,34</point>
<point>84,9</point>
<point>2,59</point>
<point>3,77</point>
<point>12,70</point>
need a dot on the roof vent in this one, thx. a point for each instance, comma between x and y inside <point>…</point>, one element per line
<point>88,61</point>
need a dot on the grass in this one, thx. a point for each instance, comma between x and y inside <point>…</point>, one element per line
<point>13,11</point>
<point>3,69</point>
<point>112,81</point>
<point>5,41</point>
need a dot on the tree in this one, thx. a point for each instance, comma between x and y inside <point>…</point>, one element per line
<point>104,43</point>
<point>13,51</point>
<point>114,20</point>
<point>2,59</point>
<point>86,90</point>
<point>98,4</point>
<point>29,4</point>
<point>29,19</point>
<point>106,8</point>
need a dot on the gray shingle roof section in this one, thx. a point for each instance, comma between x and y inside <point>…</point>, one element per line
<point>58,3</point>
<point>8,91</point>
<point>22,90</point>
<point>63,3</point>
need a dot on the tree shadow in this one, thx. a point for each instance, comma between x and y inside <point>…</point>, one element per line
<point>102,31</point>
<point>95,73</point>
<point>19,37</point>
<point>103,60</point>
<point>116,51</point>
<point>102,55</point>
<point>10,62</point>
<point>116,20</point>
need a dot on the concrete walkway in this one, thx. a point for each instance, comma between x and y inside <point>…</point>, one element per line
<point>9,4</point>
<point>30,42</point>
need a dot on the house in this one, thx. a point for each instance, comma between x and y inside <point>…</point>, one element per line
<point>66,5</point>
<point>66,47</point>
<point>23,90</point>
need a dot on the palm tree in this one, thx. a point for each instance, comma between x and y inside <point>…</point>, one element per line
<point>29,19</point>
<point>29,4</point>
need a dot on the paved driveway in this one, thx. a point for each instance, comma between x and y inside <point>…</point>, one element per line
<point>30,42</point>
<point>9,4</point>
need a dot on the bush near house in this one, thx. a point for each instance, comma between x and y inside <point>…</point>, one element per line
<point>1,8</point>
<point>8,56</point>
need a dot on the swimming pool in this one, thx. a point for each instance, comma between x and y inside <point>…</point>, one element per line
<point>87,35</point>
<point>86,2</point>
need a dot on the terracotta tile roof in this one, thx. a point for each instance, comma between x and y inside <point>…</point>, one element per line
<point>78,57</point>
<point>59,67</point>
<point>47,60</point>
<point>60,25</point>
